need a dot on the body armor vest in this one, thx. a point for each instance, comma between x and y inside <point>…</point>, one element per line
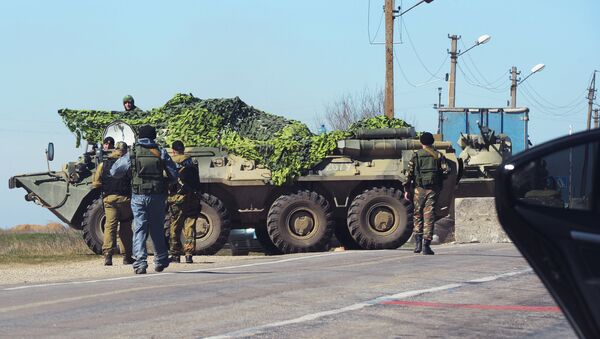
<point>428,168</point>
<point>147,169</point>
<point>111,185</point>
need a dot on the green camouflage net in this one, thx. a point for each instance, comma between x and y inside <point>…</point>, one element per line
<point>286,147</point>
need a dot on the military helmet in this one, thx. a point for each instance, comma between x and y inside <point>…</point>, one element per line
<point>110,141</point>
<point>121,146</point>
<point>128,98</point>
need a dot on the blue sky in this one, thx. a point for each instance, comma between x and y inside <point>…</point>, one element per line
<point>287,58</point>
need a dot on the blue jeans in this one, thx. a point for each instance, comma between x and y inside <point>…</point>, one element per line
<point>149,219</point>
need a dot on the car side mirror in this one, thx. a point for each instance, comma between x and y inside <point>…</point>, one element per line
<point>50,152</point>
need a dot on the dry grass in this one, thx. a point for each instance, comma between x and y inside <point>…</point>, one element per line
<point>42,243</point>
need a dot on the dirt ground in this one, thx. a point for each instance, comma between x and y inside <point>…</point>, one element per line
<point>11,274</point>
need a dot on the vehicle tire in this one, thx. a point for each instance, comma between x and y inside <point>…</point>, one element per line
<point>300,222</point>
<point>380,218</point>
<point>93,226</point>
<point>212,226</point>
<point>267,244</point>
<point>342,233</point>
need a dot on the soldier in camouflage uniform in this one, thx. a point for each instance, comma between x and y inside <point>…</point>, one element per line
<point>131,110</point>
<point>184,206</point>
<point>116,197</point>
<point>425,175</point>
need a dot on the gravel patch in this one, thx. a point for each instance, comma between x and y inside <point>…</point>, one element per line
<point>25,274</point>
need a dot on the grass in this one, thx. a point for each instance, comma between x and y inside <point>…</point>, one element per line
<point>36,248</point>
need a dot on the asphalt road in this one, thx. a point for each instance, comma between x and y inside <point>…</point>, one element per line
<point>472,290</point>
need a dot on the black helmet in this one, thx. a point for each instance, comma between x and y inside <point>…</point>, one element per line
<point>426,139</point>
<point>147,131</point>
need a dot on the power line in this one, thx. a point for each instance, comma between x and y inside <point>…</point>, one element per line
<point>371,40</point>
<point>570,104</point>
<point>550,105</point>
<point>476,84</point>
<point>428,81</point>
<point>434,75</point>
<point>485,80</point>
<point>550,111</point>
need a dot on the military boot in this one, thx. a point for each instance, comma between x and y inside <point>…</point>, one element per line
<point>108,259</point>
<point>127,259</point>
<point>426,249</point>
<point>188,259</point>
<point>418,243</point>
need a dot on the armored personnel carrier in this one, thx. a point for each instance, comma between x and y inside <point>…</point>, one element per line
<point>480,156</point>
<point>355,193</point>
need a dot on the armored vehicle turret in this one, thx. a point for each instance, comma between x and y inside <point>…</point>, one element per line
<point>354,193</point>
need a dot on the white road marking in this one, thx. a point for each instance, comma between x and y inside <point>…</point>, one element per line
<point>309,317</point>
<point>169,273</point>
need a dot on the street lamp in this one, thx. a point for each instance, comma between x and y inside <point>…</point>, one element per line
<point>514,81</point>
<point>454,54</point>
<point>534,69</point>
<point>413,6</point>
<point>480,41</point>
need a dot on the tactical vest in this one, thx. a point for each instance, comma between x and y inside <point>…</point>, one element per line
<point>147,169</point>
<point>111,185</point>
<point>188,172</point>
<point>428,173</point>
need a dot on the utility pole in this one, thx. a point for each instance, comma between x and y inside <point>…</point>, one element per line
<point>591,97</point>
<point>389,59</point>
<point>513,86</point>
<point>452,80</point>
<point>596,118</point>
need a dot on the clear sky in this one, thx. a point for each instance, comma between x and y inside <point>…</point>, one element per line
<point>287,58</point>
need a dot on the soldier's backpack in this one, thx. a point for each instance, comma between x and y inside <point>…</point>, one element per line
<point>431,168</point>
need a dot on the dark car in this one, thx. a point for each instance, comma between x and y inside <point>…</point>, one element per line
<point>243,241</point>
<point>548,201</point>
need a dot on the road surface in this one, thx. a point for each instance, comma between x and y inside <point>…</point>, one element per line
<point>471,290</point>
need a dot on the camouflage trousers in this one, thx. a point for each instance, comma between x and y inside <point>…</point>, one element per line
<point>117,210</point>
<point>184,210</point>
<point>424,211</point>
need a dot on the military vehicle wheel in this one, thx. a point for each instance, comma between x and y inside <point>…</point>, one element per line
<point>267,244</point>
<point>300,222</point>
<point>380,218</point>
<point>93,226</point>
<point>212,226</point>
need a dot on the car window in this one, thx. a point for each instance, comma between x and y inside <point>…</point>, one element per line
<point>563,179</point>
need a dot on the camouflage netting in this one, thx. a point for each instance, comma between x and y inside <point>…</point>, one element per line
<point>286,147</point>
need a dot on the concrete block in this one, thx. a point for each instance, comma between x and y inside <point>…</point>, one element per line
<point>476,220</point>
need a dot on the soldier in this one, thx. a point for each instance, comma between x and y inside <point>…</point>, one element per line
<point>184,205</point>
<point>108,144</point>
<point>426,172</point>
<point>147,164</point>
<point>116,197</point>
<point>131,110</point>
<point>129,103</point>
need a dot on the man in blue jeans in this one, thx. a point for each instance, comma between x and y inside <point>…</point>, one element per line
<point>148,164</point>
